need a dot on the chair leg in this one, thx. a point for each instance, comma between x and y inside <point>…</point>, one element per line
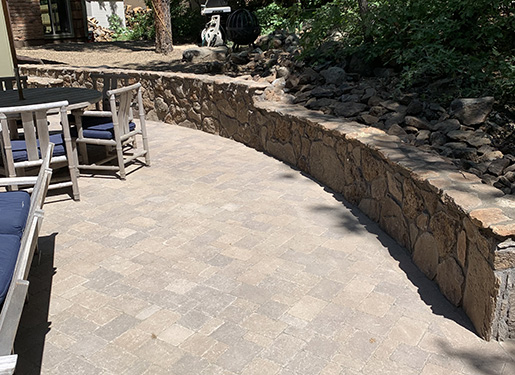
<point>145,147</point>
<point>83,151</point>
<point>121,162</point>
<point>75,157</point>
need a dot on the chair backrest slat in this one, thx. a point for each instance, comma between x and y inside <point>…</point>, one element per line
<point>121,101</point>
<point>35,128</point>
<point>29,132</point>
<point>42,128</point>
<point>109,82</point>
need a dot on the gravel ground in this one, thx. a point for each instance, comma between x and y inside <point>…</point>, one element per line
<point>127,55</point>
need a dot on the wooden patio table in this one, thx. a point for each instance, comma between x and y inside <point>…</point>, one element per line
<point>78,98</point>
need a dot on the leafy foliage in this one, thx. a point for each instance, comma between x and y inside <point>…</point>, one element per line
<point>141,26</point>
<point>471,42</point>
<point>186,24</point>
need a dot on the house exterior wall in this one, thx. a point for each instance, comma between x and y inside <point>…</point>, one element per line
<point>28,28</point>
<point>101,10</point>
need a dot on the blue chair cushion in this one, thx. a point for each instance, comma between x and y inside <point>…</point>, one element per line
<point>9,249</point>
<point>14,209</point>
<point>98,127</point>
<point>20,148</point>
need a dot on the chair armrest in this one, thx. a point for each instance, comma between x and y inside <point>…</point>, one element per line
<point>17,181</point>
<point>97,113</point>
<point>8,364</point>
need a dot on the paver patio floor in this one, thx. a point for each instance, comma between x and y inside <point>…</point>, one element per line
<point>221,260</point>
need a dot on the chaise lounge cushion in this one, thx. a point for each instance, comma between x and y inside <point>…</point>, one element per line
<point>14,209</point>
<point>20,148</point>
<point>9,248</point>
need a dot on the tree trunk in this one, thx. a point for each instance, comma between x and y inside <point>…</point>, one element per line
<point>163,24</point>
<point>363,11</point>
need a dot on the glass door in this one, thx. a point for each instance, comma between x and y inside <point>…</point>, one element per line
<point>56,17</point>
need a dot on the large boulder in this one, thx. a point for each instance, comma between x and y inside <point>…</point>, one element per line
<point>204,54</point>
<point>334,75</point>
<point>472,111</point>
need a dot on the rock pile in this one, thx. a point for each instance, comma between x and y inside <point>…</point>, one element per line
<point>469,132</point>
<point>477,138</point>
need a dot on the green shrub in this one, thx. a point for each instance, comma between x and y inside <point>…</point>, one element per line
<point>141,26</point>
<point>468,41</point>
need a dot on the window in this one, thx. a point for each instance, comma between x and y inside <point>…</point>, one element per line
<point>56,17</point>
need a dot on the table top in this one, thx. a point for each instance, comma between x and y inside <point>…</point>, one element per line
<point>76,97</point>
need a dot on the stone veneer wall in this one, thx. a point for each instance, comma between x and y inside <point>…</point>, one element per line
<point>458,230</point>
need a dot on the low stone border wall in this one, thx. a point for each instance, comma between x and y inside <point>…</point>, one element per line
<point>458,230</point>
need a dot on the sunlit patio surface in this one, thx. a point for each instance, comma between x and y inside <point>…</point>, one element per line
<point>218,259</point>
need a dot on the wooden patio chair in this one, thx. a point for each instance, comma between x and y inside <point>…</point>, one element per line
<point>116,130</point>
<point>9,83</point>
<point>110,81</point>
<point>19,230</point>
<point>21,154</point>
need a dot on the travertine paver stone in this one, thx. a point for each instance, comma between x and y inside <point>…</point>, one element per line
<point>221,260</point>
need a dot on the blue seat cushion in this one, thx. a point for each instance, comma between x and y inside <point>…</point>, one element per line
<point>9,248</point>
<point>14,209</point>
<point>20,148</point>
<point>98,127</point>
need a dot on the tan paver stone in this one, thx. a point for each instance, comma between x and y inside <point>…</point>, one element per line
<point>121,265</point>
<point>237,356</point>
<point>307,308</point>
<point>129,304</point>
<point>445,361</point>
<point>237,253</point>
<point>252,277</point>
<point>102,316</point>
<point>58,305</point>
<point>175,335</point>
<point>159,353</point>
<point>215,351</point>
<point>81,267</point>
<point>113,358</point>
<point>159,321</point>
<point>408,330</point>
<point>260,366</point>
<point>388,368</point>
<point>147,312</point>
<point>91,299</point>
<point>210,326</point>
<point>64,286</point>
<point>60,339</point>
<point>132,339</point>
<point>432,369</point>
<point>357,351</point>
<point>376,304</point>
<point>332,369</point>
<point>256,338</point>
<point>410,356</point>
<point>354,292</point>
<point>264,325</point>
<point>197,344</point>
<point>283,349</point>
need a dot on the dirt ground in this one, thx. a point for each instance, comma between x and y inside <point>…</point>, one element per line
<point>124,55</point>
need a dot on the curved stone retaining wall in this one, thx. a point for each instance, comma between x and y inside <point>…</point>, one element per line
<point>458,230</point>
